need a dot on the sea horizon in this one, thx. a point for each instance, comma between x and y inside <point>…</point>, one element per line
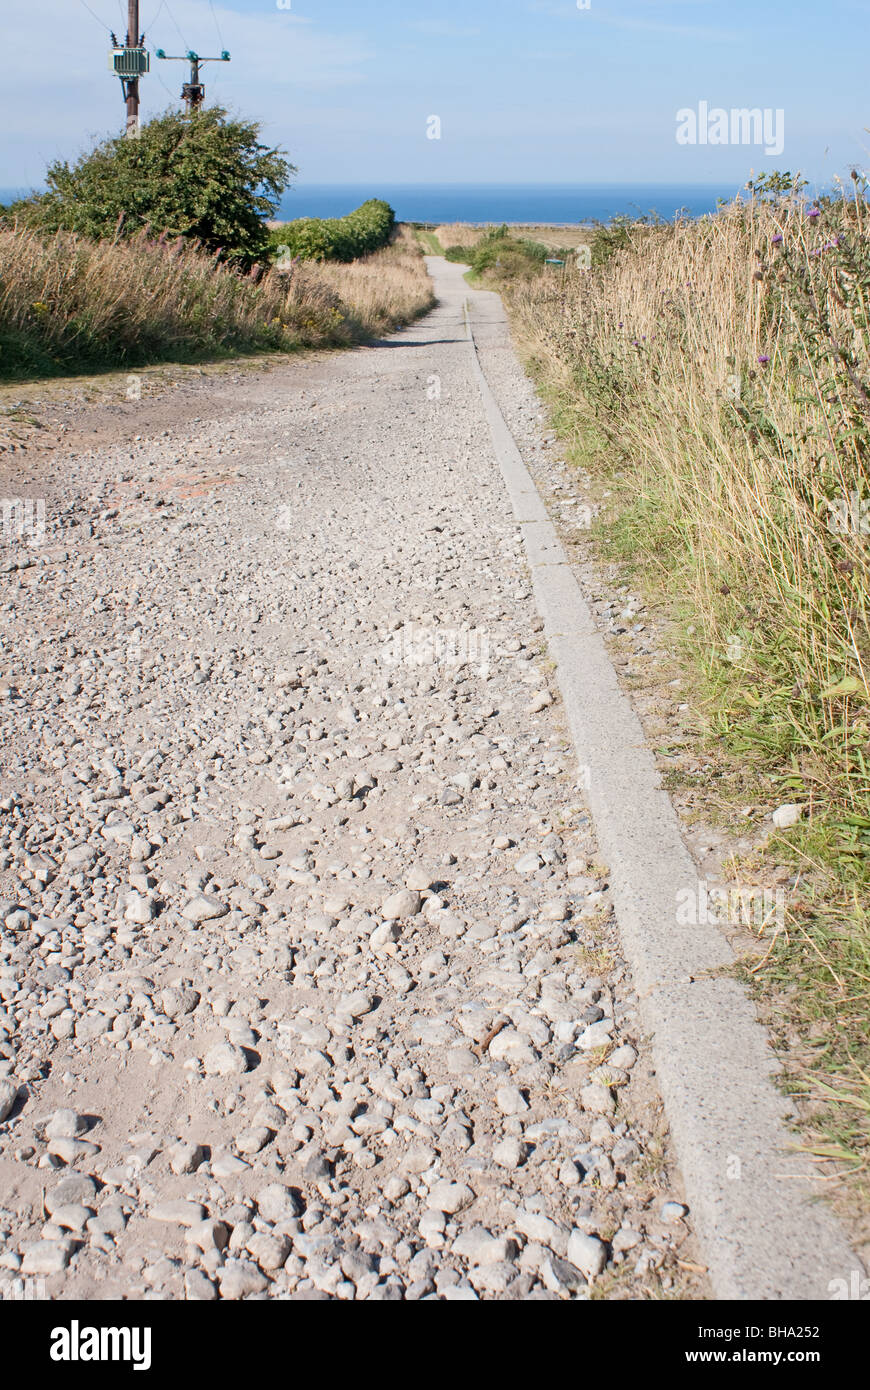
<point>480,203</point>
<point>528,203</point>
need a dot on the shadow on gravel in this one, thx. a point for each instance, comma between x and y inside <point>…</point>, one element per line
<point>427,342</point>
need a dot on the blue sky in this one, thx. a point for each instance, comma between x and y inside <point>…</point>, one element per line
<point>527,91</point>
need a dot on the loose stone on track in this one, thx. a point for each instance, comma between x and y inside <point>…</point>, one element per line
<point>309,983</point>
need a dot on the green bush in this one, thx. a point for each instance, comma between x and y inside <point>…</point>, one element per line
<point>366,229</point>
<point>610,238</point>
<point>616,235</point>
<point>202,176</point>
<point>460,254</point>
<point>510,256</point>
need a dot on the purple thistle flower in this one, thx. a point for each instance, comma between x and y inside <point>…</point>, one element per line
<point>776,240</point>
<point>764,359</point>
<point>814,212</point>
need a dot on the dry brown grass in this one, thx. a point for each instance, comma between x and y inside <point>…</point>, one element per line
<point>464,234</point>
<point>386,289</point>
<point>556,237</point>
<point>713,378</point>
<point>655,346</point>
<point>458,234</point>
<point>70,304</point>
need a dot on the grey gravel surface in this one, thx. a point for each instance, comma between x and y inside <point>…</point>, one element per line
<point>309,983</point>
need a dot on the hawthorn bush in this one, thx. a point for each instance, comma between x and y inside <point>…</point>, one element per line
<point>366,229</point>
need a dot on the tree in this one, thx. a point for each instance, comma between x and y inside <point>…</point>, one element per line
<point>200,175</point>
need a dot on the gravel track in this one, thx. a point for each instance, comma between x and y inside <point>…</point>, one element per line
<point>309,983</point>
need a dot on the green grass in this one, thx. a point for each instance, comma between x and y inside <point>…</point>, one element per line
<point>429,241</point>
<point>764,741</point>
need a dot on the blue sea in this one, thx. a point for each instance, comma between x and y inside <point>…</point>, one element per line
<point>494,202</point>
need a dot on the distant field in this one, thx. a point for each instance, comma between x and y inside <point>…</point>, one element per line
<point>458,234</point>
<point>555,236</point>
<point>466,234</point>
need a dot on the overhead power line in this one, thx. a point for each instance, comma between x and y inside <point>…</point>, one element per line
<point>95,16</point>
<point>216,24</point>
<point>175,23</point>
<point>150,25</point>
<point>130,59</point>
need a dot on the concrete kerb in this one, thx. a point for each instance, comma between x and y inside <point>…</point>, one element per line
<point>753,1197</point>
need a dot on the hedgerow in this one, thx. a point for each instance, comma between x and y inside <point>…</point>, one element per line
<point>366,229</point>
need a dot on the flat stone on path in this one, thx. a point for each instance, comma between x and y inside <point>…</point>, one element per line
<point>306,966</point>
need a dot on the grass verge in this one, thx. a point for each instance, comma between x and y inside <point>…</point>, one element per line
<point>712,378</point>
<point>68,304</point>
<point>429,241</point>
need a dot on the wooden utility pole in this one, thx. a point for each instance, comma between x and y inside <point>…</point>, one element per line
<point>192,92</point>
<point>131,90</point>
<point>129,61</point>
